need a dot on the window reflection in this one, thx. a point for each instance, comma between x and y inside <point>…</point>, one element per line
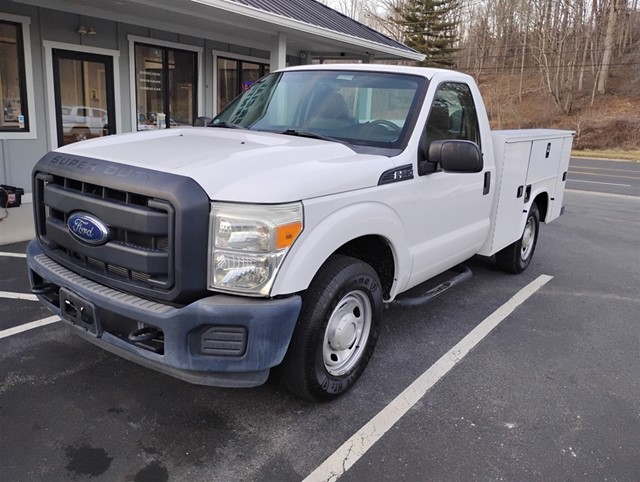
<point>235,77</point>
<point>149,87</point>
<point>83,100</point>
<point>165,87</point>
<point>227,81</point>
<point>13,112</point>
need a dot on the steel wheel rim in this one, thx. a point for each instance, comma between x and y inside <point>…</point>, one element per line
<point>528,238</point>
<point>347,332</point>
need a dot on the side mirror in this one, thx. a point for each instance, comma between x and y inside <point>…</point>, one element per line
<point>456,156</point>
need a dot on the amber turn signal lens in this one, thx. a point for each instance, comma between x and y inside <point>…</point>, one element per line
<point>287,234</point>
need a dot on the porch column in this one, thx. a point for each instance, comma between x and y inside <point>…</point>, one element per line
<point>278,52</point>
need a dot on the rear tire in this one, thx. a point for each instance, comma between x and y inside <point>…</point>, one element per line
<point>516,257</point>
<point>336,331</point>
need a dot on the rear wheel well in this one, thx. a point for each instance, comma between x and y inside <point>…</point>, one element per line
<point>542,201</point>
<point>375,251</point>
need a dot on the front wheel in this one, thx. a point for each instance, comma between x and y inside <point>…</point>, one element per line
<point>336,332</point>
<point>516,257</point>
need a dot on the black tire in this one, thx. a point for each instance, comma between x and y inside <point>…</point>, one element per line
<point>516,257</point>
<point>327,353</point>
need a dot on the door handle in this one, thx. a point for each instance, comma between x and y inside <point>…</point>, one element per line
<point>487,183</point>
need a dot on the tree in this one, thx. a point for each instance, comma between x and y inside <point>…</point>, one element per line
<point>608,46</point>
<point>430,28</point>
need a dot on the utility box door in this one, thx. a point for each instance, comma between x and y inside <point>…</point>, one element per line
<point>557,198</point>
<point>511,191</point>
<point>545,155</point>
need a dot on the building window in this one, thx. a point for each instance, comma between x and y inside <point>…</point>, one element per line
<point>13,98</point>
<point>166,87</point>
<point>236,76</point>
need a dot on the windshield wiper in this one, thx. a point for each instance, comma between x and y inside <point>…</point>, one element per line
<point>225,124</point>
<point>312,135</point>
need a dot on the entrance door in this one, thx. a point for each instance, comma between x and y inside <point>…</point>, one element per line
<point>84,97</point>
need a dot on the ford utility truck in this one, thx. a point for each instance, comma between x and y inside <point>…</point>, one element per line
<point>275,236</point>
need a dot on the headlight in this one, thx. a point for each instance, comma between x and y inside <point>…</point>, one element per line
<point>248,243</point>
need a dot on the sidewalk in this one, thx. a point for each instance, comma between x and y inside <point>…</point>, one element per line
<point>18,225</point>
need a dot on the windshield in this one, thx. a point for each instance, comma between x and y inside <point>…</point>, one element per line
<point>372,109</point>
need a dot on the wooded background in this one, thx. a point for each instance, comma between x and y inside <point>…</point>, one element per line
<point>573,64</point>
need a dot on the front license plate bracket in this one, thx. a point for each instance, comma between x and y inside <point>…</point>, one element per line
<point>79,312</point>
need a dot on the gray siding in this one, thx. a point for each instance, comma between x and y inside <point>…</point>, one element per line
<point>18,156</point>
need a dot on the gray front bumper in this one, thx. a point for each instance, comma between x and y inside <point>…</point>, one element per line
<point>268,324</point>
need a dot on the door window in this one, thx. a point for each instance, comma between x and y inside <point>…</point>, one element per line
<point>83,96</point>
<point>453,114</point>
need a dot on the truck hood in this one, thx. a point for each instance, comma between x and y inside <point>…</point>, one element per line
<point>243,165</point>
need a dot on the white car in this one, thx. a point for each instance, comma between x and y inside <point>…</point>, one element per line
<point>80,122</point>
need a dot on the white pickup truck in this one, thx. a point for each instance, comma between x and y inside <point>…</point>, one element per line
<point>276,235</point>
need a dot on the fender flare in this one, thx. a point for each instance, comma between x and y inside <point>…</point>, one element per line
<point>320,240</point>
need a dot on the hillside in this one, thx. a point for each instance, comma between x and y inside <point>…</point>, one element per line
<point>612,121</point>
<point>567,52</point>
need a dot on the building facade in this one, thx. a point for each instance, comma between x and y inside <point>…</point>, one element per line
<point>76,69</point>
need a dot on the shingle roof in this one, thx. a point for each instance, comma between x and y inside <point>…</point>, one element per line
<point>315,13</point>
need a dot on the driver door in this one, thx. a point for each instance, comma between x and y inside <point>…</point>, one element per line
<point>452,210</point>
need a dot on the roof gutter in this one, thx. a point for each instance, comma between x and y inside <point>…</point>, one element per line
<point>286,22</point>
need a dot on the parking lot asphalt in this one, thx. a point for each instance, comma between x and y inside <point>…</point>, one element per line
<point>553,393</point>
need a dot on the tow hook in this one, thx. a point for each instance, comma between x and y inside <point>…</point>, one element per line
<point>149,338</point>
<point>43,289</point>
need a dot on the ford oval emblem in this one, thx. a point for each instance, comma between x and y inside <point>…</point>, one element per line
<point>88,228</point>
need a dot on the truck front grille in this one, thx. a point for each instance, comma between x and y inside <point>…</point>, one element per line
<point>138,251</point>
<point>157,223</point>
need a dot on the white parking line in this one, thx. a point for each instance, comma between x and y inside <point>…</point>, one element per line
<point>360,442</point>
<point>597,182</point>
<point>18,296</point>
<point>28,326</point>
<point>605,194</point>
<point>12,255</point>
